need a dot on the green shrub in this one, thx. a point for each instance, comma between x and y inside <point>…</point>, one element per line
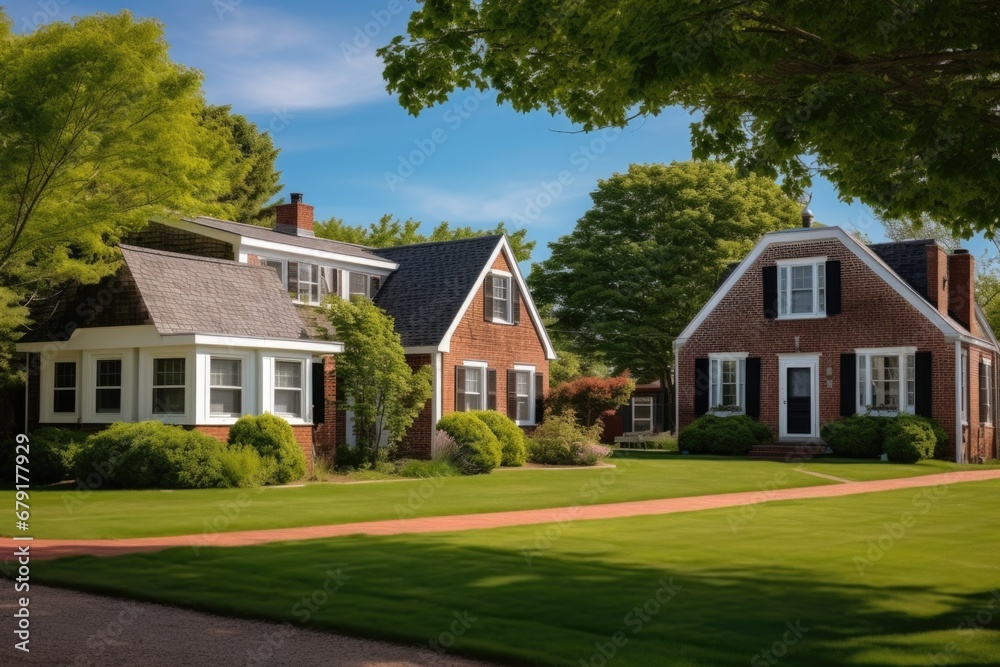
<point>273,439</point>
<point>724,436</point>
<point>661,441</point>
<point>510,435</point>
<point>154,455</point>
<point>438,467</point>
<point>348,457</point>
<point>859,436</point>
<point>559,440</point>
<point>477,450</point>
<point>941,440</point>
<point>909,439</point>
<point>50,456</point>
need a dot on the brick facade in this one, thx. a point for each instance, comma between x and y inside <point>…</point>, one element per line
<point>325,434</point>
<point>873,315</point>
<point>418,443</point>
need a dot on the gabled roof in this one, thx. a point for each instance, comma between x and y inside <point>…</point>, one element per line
<point>426,292</point>
<point>266,234</point>
<point>866,254</point>
<point>184,294</point>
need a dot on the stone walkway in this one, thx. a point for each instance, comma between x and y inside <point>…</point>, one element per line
<point>45,549</point>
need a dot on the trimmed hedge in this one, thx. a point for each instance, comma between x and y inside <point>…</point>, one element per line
<point>50,459</point>
<point>724,436</point>
<point>856,437</point>
<point>559,440</point>
<point>909,439</point>
<point>510,435</point>
<point>151,454</point>
<point>477,450</point>
<point>272,438</point>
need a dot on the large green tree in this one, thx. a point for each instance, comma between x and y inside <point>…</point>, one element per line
<point>649,254</point>
<point>255,181</point>
<point>390,231</point>
<point>376,384</point>
<point>895,102</point>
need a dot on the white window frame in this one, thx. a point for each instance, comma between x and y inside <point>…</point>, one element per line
<point>75,388</point>
<point>785,267</point>
<point>242,388</point>
<point>315,272</point>
<point>368,284</point>
<point>96,361</point>
<point>480,367</point>
<point>530,370</point>
<point>987,419</point>
<point>863,375</point>
<point>715,362</point>
<point>508,300</point>
<point>964,373</point>
<point>47,381</point>
<point>302,389</point>
<point>645,401</point>
<point>279,265</point>
<point>153,386</point>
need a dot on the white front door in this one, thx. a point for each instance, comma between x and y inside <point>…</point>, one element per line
<point>798,392</point>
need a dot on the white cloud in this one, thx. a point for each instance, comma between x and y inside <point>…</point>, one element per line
<point>261,60</point>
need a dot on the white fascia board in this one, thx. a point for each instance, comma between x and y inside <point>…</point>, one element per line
<point>201,230</point>
<point>421,349</point>
<point>502,246</point>
<point>296,345</point>
<point>862,252</point>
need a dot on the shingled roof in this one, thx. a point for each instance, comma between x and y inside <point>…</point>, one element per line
<point>265,234</point>
<point>184,294</point>
<point>908,259</point>
<point>426,292</point>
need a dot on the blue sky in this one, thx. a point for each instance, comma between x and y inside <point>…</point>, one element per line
<point>307,72</point>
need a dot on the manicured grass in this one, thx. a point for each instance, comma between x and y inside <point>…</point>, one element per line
<point>106,514</point>
<point>861,588</point>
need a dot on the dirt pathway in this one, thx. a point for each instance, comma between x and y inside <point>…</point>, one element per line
<point>42,549</point>
<point>78,629</point>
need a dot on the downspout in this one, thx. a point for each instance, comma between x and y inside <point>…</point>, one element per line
<point>959,445</point>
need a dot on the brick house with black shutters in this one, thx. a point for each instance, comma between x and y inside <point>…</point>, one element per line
<point>207,320</point>
<point>815,325</point>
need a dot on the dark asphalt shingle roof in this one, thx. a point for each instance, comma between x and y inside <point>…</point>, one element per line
<point>432,282</point>
<point>184,294</point>
<point>908,259</point>
<point>265,234</point>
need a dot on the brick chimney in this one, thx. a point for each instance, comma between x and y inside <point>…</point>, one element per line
<point>295,218</point>
<point>937,277</point>
<point>961,288</point>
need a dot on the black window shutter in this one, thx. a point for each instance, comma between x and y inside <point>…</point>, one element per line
<point>491,389</point>
<point>702,386</point>
<point>512,394</point>
<point>833,287</point>
<point>515,304</point>
<point>753,387</point>
<point>459,389</point>
<point>539,397</point>
<point>770,280</point>
<point>318,393</point>
<point>293,280</point>
<point>923,382</point>
<point>488,299</point>
<point>848,384</point>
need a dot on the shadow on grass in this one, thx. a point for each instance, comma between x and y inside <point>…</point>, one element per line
<point>563,609</point>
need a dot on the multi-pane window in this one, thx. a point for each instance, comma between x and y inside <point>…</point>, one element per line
<point>985,392</point>
<point>168,386</point>
<point>501,298</point>
<point>886,382</point>
<point>108,395</point>
<point>474,388</point>
<point>288,388</point>
<point>802,290</point>
<point>728,384</point>
<point>363,284</point>
<point>965,387</point>
<point>523,391</point>
<point>309,283</point>
<point>226,388</point>
<point>642,413</point>
<point>64,387</point>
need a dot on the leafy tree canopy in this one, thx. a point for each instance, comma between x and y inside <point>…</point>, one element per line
<point>390,231</point>
<point>649,254</point>
<point>591,399</point>
<point>895,102</point>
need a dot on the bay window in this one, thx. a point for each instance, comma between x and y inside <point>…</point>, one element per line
<point>168,386</point>
<point>64,387</point>
<point>225,387</point>
<point>288,388</point>
<point>108,392</point>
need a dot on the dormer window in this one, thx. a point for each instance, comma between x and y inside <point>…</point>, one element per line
<point>802,288</point>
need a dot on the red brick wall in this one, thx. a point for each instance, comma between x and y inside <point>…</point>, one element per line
<point>937,277</point>
<point>500,345</point>
<point>873,315</point>
<point>418,440</point>
<point>961,298</point>
<point>978,436</point>
<point>325,434</point>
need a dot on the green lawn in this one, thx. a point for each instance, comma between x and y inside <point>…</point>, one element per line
<point>106,514</point>
<point>799,564</point>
